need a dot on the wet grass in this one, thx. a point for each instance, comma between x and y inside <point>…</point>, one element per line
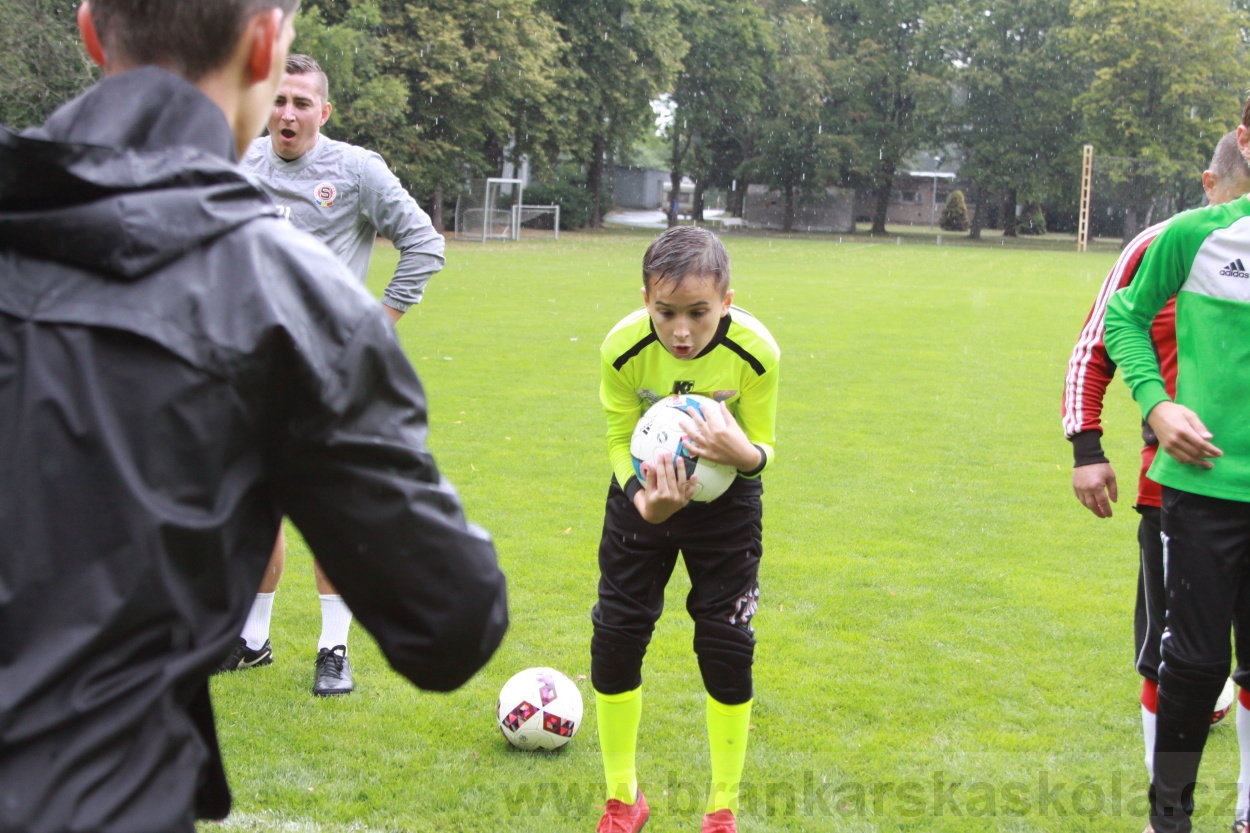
<point>945,634</point>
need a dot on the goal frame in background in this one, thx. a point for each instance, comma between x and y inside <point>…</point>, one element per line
<point>528,213</point>
<point>479,215</point>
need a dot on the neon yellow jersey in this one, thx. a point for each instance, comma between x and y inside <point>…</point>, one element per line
<point>738,367</point>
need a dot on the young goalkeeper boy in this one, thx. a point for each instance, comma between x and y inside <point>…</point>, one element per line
<point>687,339</point>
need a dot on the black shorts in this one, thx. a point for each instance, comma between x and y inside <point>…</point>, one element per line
<point>721,543</point>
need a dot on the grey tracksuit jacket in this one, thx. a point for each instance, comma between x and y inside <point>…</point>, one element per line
<point>345,196</point>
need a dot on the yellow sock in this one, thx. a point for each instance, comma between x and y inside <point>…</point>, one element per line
<point>727,728</point>
<point>618,716</point>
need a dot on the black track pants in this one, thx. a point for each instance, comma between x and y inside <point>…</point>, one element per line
<point>1207,567</point>
<point>1148,617</point>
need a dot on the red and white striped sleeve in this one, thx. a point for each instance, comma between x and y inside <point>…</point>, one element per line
<point>1090,369</point>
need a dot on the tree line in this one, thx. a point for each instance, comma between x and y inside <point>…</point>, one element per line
<point>799,95</point>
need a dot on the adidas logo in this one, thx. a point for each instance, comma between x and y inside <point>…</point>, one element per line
<point>1235,270</point>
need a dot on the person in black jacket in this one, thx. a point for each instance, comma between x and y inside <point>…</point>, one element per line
<point>179,367</point>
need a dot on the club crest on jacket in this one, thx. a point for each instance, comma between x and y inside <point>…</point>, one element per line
<point>325,194</point>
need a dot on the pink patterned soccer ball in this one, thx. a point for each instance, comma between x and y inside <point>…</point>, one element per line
<point>539,708</point>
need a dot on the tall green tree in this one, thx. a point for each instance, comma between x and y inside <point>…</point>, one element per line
<point>1014,122</point>
<point>1167,78</point>
<point>446,90</point>
<point>484,79</point>
<point>42,62</point>
<point>716,98</point>
<point>620,55</point>
<point>370,99</point>
<point>894,82</point>
<point>717,101</point>
<point>794,152</point>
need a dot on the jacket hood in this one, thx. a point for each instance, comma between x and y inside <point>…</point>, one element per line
<point>124,179</point>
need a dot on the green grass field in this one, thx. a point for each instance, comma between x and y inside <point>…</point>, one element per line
<point>945,634</point>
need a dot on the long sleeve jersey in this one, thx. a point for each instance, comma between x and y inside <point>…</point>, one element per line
<point>345,196</point>
<point>738,367</point>
<point>1090,371</point>
<point>1200,258</point>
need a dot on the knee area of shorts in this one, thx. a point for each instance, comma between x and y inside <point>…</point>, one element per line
<point>712,637</point>
<point>725,660</point>
<point>613,678</point>
<point>1193,682</point>
<point>728,683</point>
<point>624,643</point>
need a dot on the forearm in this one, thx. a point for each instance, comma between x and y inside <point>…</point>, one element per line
<point>396,216</point>
<point>762,455</point>
<point>355,476</point>
<point>1090,371</point>
<point>417,265</point>
<point>419,578</point>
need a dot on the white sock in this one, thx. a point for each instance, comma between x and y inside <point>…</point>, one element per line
<point>1148,720</point>
<point>335,620</point>
<point>1243,743</point>
<point>256,630</point>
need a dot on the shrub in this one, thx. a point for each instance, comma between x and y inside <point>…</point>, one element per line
<point>1031,220</point>
<point>567,189</point>
<point>954,213</point>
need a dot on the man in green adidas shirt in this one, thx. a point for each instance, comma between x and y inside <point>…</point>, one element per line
<point>688,339</point>
<point>1200,257</point>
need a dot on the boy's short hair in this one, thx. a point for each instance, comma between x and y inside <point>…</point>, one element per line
<point>683,251</point>
<point>307,65</point>
<point>190,37</point>
<point>1245,114</point>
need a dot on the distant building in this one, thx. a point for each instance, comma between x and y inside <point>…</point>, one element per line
<point>644,188</point>
<point>915,200</point>
<point>920,190</point>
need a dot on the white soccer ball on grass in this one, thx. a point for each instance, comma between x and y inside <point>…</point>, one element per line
<point>660,428</point>
<point>539,708</point>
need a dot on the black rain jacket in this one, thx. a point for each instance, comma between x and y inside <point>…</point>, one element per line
<point>179,367</point>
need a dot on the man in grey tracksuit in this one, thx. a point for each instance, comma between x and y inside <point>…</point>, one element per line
<point>345,196</point>
<point>342,194</point>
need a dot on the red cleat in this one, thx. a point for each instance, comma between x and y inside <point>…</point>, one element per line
<point>722,821</point>
<point>619,817</point>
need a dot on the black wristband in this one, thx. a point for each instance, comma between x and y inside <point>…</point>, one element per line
<point>1087,448</point>
<point>763,462</point>
<point>631,488</point>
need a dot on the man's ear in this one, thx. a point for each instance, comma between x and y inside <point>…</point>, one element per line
<point>326,109</point>
<point>263,34</point>
<point>1243,141</point>
<point>1208,182</point>
<point>90,38</point>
